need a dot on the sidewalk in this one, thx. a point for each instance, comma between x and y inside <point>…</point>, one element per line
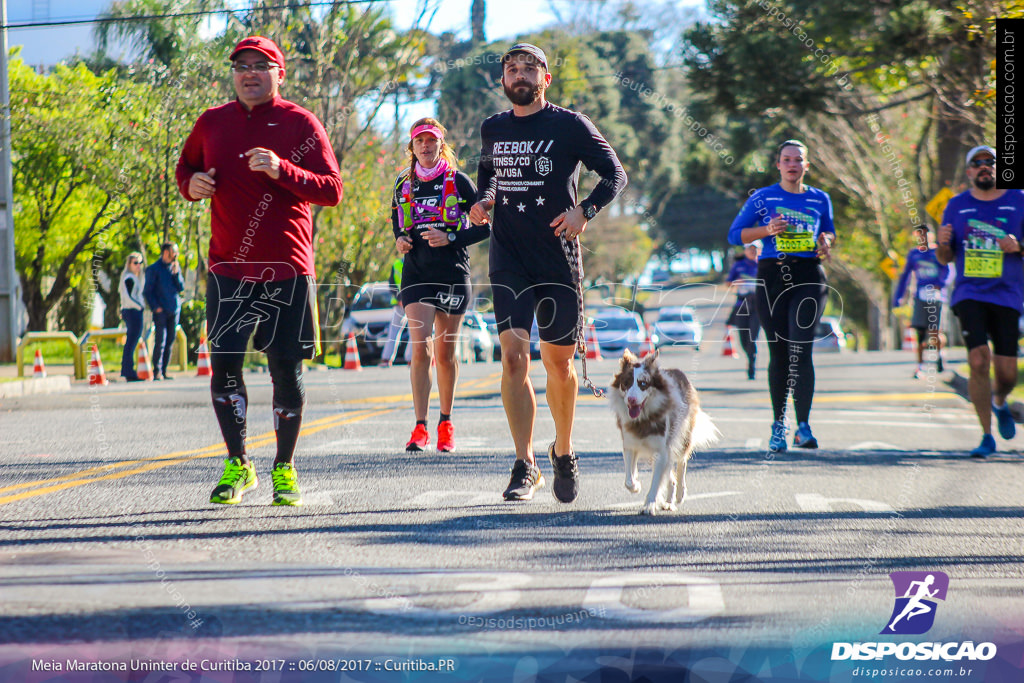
<point>58,380</point>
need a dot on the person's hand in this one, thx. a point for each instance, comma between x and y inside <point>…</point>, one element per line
<point>480,213</point>
<point>174,268</point>
<point>158,310</point>
<point>1009,244</point>
<point>570,224</point>
<point>265,160</point>
<point>825,246</point>
<point>202,185</point>
<point>945,235</point>
<point>403,244</point>
<point>436,238</point>
<point>776,225</point>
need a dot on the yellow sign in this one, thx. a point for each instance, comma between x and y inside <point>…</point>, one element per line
<point>938,204</point>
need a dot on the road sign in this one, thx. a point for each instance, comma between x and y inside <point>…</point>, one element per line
<point>938,203</point>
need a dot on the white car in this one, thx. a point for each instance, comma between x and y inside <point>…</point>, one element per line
<point>829,336</point>
<point>475,339</point>
<point>619,329</point>
<point>678,325</point>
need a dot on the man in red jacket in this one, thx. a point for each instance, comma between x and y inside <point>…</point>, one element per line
<point>261,161</point>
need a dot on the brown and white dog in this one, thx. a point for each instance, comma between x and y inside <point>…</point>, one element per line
<point>658,413</point>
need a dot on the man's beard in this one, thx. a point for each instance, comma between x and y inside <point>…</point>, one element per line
<point>521,97</point>
<point>986,183</point>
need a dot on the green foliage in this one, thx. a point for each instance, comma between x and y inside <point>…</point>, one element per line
<point>193,324</point>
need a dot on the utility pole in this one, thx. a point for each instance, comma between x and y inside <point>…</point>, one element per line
<point>9,286</point>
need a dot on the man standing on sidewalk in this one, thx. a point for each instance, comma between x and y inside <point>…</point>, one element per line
<point>982,229</point>
<point>528,174</point>
<point>162,291</point>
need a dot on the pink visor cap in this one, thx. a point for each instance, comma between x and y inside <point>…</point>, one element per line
<point>427,128</point>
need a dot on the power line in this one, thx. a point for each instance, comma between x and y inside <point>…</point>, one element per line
<point>171,15</point>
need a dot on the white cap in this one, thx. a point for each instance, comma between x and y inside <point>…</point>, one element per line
<point>978,150</point>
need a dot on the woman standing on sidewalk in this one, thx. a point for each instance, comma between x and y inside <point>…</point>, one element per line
<point>794,223</point>
<point>430,218</point>
<point>132,305</point>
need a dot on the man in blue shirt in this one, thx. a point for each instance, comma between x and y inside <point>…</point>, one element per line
<point>164,284</point>
<point>931,284</point>
<point>981,231</point>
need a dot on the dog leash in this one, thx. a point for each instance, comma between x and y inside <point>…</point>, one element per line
<point>571,248</point>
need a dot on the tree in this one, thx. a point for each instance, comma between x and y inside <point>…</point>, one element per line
<point>887,95</point>
<point>68,190</point>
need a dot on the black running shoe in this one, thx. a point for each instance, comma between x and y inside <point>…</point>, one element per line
<point>567,475</point>
<point>526,479</point>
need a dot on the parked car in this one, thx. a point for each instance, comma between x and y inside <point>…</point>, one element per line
<point>829,336</point>
<point>678,325</point>
<point>369,316</point>
<point>619,329</point>
<point>492,329</point>
<point>475,339</point>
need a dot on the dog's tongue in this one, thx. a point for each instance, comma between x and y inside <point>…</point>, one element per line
<point>634,409</point>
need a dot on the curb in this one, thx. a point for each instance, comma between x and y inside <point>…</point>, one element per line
<point>27,387</point>
<point>958,383</point>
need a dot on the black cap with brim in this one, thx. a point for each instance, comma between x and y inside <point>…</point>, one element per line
<point>528,49</point>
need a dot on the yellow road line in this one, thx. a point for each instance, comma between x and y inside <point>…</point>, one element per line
<point>156,458</point>
<point>407,398</point>
<point>166,460</point>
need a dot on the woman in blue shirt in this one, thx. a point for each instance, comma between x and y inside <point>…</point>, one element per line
<point>794,223</point>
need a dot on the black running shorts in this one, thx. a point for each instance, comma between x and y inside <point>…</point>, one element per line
<point>981,321</point>
<point>282,314</point>
<point>927,315</point>
<point>449,298</point>
<point>517,300</point>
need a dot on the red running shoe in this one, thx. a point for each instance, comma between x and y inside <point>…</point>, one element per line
<point>419,439</point>
<point>445,436</point>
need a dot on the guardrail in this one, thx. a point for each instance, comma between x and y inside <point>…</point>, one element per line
<point>69,337</point>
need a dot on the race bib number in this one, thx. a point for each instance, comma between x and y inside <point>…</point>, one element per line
<point>982,255</point>
<point>799,235</point>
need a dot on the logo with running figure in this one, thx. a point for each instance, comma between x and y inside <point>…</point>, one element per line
<point>916,596</point>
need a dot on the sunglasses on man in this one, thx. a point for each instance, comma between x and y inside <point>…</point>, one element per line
<point>978,163</point>
<point>258,67</point>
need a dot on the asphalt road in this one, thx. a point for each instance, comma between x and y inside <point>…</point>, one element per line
<point>109,550</point>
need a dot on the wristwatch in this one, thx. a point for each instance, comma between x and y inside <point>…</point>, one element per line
<point>451,237</point>
<point>589,210</point>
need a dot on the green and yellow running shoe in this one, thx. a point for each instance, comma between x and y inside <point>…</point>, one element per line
<point>286,485</point>
<point>236,480</point>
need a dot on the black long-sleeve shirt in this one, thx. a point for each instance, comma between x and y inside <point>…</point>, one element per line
<point>447,264</point>
<point>530,166</point>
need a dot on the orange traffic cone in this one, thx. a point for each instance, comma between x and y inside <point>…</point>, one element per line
<point>646,346</point>
<point>593,347</point>
<point>352,354</point>
<point>909,340</point>
<point>39,370</point>
<point>144,371</point>
<point>727,347</point>
<point>96,374</point>
<point>203,368</point>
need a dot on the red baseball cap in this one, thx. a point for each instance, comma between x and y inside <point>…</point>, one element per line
<point>263,45</point>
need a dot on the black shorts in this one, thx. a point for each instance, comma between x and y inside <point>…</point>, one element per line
<point>981,321</point>
<point>927,315</point>
<point>449,298</point>
<point>517,300</point>
<point>282,314</point>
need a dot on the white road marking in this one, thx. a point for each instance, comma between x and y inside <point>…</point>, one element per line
<point>704,598</point>
<point>689,497</point>
<point>815,502</point>
<point>754,444</point>
<point>874,446</point>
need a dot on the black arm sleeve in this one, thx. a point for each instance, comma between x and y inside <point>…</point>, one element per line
<point>598,156</point>
<point>129,285</point>
<point>394,208</point>
<point>471,234</point>
<point>485,168</point>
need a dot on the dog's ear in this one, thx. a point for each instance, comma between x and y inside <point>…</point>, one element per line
<point>651,358</point>
<point>627,359</point>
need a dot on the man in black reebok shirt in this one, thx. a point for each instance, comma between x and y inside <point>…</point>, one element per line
<point>528,174</point>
